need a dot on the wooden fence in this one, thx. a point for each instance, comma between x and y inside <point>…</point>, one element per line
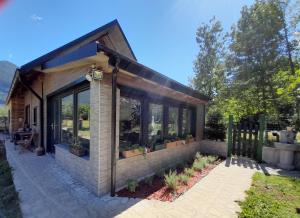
<point>246,138</point>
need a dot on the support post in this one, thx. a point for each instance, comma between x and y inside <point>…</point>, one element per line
<point>262,125</point>
<point>229,136</point>
<point>113,128</point>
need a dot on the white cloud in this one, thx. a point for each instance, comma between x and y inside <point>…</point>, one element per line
<point>10,56</point>
<point>36,18</point>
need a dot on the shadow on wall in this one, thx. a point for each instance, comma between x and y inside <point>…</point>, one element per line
<point>213,147</point>
<point>265,168</point>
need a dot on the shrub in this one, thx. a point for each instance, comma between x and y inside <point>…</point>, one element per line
<point>132,185</point>
<point>149,180</point>
<point>215,129</point>
<point>198,155</point>
<point>211,159</point>
<point>183,178</point>
<point>189,172</point>
<point>198,165</point>
<point>171,180</point>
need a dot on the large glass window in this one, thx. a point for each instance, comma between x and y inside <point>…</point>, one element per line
<point>173,122</point>
<point>67,117</point>
<point>130,122</point>
<point>186,121</point>
<point>155,123</point>
<point>83,120</point>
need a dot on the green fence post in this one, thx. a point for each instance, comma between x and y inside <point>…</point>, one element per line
<point>229,136</point>
<point>261,137</point>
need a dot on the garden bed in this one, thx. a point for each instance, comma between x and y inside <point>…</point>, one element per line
<point>9,200</point>
<point>156,188</point>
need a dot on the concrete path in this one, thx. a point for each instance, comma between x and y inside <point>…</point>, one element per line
<point>47,191</point>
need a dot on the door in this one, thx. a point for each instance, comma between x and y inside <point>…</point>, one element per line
<point>52,124</point>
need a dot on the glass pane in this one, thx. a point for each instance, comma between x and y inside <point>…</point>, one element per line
<point>155,123</point>
<point>83,112</point>
<point>130,122</point>
<point>67,120</point>
<point>186,122</point>
<point>173,122</point>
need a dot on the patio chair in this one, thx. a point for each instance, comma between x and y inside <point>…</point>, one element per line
<point>26,143</point>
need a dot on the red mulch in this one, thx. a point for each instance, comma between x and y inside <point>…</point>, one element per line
<point>159,191</point>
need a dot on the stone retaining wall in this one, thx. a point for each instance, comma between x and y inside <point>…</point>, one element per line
<point>214,147</point>
<point>145,165</point>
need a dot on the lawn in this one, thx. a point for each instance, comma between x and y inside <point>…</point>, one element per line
<point>272,196</point>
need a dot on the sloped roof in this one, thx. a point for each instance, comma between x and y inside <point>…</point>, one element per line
<point>112,29</point>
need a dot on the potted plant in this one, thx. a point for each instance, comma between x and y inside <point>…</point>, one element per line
<point>77,149</point>
<point>132,151</point>
<point>179,141</point>
<point>189,139</point>
<point>170,143</point>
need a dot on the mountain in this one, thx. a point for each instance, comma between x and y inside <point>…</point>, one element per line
<point>7,70</point>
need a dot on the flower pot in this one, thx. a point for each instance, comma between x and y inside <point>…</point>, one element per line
<point>171,144</point>
<point>180,142</point>
<point>77,151</point>
<point>190,140</point>
<point>131,153</point>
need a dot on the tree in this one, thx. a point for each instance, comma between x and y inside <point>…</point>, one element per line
<point>209,65</point>
<point>257,51</point>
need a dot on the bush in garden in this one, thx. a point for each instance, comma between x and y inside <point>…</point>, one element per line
<point>183,178</point>
<point>189,172</point>
<point>211,159</point>
<point>171,180</point>
<point>132,185</point>
<point>215,129</point>
<point>198,165</point>
<point>198,155</point>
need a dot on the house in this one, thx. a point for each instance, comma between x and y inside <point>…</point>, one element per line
<point>93,93</point>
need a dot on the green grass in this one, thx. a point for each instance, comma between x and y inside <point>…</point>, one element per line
<point>272,196</point>
<point>9,200</point>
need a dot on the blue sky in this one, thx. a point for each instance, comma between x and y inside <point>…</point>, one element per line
<point>161,32</point>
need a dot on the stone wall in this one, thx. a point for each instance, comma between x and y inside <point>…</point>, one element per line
<point>214,147</point>
<point>81,168</point>
<point>144,165</point>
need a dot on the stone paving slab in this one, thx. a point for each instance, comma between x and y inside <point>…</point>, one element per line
<point>47,191</point>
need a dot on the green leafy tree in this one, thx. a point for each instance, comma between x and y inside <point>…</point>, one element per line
<point>209,65</point>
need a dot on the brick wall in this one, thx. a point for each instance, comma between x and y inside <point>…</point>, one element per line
<point>213,147</point>
<point>141,166</point>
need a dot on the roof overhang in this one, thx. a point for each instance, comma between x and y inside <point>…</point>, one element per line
<point>88,54</point>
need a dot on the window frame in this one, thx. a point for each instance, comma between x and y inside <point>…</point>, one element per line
<point>146,99</point>
<point>70,91</point>
<point>35,116</point>
<point>27,115</point>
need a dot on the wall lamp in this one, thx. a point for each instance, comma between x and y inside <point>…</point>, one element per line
<point>94,74</point>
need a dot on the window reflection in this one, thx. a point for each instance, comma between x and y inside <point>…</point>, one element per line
<point>130,122</point>
<point>155,126</point>
<point>186,121</point>
<point>83,113</point>
<point>67,120</point>
<point>173,122</point>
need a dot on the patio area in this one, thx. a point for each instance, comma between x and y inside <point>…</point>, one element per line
<point>46,190</point>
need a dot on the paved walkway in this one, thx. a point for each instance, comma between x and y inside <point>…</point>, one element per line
<point>47,191</point>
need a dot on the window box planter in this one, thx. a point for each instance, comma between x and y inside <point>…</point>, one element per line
<point>180,142</point>
<point>131,153</point>
<point>190,140</point>
<point>171,144</point>
<point>159,147</point>
<point>78,151</point>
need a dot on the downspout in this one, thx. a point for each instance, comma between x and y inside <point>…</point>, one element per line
<point>40,150</point>
<point>113,126</point>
